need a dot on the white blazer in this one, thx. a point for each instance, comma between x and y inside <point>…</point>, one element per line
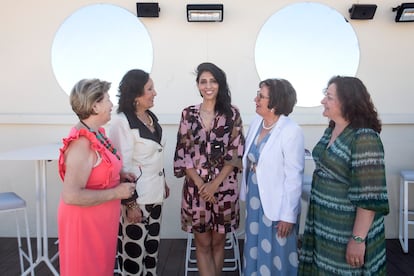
<point>279,169</point>
<point>140,152</point>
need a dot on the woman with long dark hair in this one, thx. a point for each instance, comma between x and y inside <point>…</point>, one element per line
<point>209,149</point>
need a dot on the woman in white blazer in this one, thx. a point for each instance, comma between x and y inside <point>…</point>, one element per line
<point>136,133</point>
<point>273,165</point>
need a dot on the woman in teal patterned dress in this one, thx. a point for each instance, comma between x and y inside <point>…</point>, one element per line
<point>344,230</point>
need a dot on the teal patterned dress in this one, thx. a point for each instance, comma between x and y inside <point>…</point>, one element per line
<point>348,174</point>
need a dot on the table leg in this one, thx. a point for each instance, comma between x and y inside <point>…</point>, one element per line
<point>41,217</point>
<point>38,212</point>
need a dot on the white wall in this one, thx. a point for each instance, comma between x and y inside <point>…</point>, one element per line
<point>34,110</point>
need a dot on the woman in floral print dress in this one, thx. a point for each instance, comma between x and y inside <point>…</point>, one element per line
<point>209,149</point>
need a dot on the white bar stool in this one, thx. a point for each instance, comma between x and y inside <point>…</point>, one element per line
<point>231,263</point>
<point>406,177</point>
<point>10,202</point>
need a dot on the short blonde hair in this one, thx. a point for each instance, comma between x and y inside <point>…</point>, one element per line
<point>85,94</point>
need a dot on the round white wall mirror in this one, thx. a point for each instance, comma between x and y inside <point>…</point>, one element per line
<point>100,41</point>
<point>306,43</point>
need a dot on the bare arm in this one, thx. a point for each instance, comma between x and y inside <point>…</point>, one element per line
<point>356,251</point>
<point>79,160</point>
<point>192,174</point>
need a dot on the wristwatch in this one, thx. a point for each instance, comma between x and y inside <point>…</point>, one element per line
<point>358,239</point>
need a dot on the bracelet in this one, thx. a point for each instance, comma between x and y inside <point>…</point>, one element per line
<point>132,205</point>
<point>358,239</point>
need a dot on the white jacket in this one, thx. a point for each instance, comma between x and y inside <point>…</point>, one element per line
<point>279,169</point>
<point>140,152</point>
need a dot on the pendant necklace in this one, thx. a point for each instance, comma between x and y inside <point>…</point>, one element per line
<point>103,139</point>
<point>150,121</point>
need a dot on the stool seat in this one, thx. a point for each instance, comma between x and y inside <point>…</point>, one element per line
<point>10,200</point>
<point>306,187</point>
<point>407,175</point>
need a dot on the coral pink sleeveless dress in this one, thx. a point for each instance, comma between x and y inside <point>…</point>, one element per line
<point>88,234</point>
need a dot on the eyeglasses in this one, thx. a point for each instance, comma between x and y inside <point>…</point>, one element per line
<point>139,176</point>
<point>261,96</point>
<point>328,96</point>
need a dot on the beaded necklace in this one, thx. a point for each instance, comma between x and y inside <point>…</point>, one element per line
<point>103,139</point>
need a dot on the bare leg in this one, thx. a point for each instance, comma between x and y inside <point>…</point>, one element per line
<point>204,253</point>
<point>210,252</point>
<point>219,241</point>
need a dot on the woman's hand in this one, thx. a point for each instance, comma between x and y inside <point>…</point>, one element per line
<point>127,177</point>
<point>284,228</point>
<point>355,253</point>
<point>125,190</point>
<point>207,191</point>
<point>132,215</point>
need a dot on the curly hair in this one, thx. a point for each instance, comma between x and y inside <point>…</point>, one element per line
<point>130,87</point>
<point>223,102</point>
<point>356,104</point>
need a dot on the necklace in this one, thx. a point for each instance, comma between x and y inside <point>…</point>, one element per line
<point>207,118</point>
<point>269,127</point>
<point>151,121</point>
<point>207,112</point>
<point>103,139</point>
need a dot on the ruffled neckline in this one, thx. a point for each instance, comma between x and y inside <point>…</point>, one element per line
<point>77,133</point>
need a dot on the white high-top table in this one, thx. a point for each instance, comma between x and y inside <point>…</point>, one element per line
<point>39,154</point>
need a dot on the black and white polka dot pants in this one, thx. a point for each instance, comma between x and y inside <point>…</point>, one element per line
<point>138,243</point>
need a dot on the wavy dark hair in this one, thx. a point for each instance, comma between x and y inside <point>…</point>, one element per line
<point>282,95</point>
<point>356,104</point>
<point>130,87</point>
<point>223,102</point>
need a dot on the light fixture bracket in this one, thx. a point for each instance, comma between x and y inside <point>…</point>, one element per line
<point>204,12</point>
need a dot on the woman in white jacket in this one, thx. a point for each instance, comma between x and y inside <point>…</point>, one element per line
<point>273,165</point>
<point>136,133</point>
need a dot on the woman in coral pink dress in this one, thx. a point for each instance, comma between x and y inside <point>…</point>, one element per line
<point>89,166</point>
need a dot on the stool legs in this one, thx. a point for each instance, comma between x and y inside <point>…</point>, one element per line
<point>22,254</point>
<point>404,212</point>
